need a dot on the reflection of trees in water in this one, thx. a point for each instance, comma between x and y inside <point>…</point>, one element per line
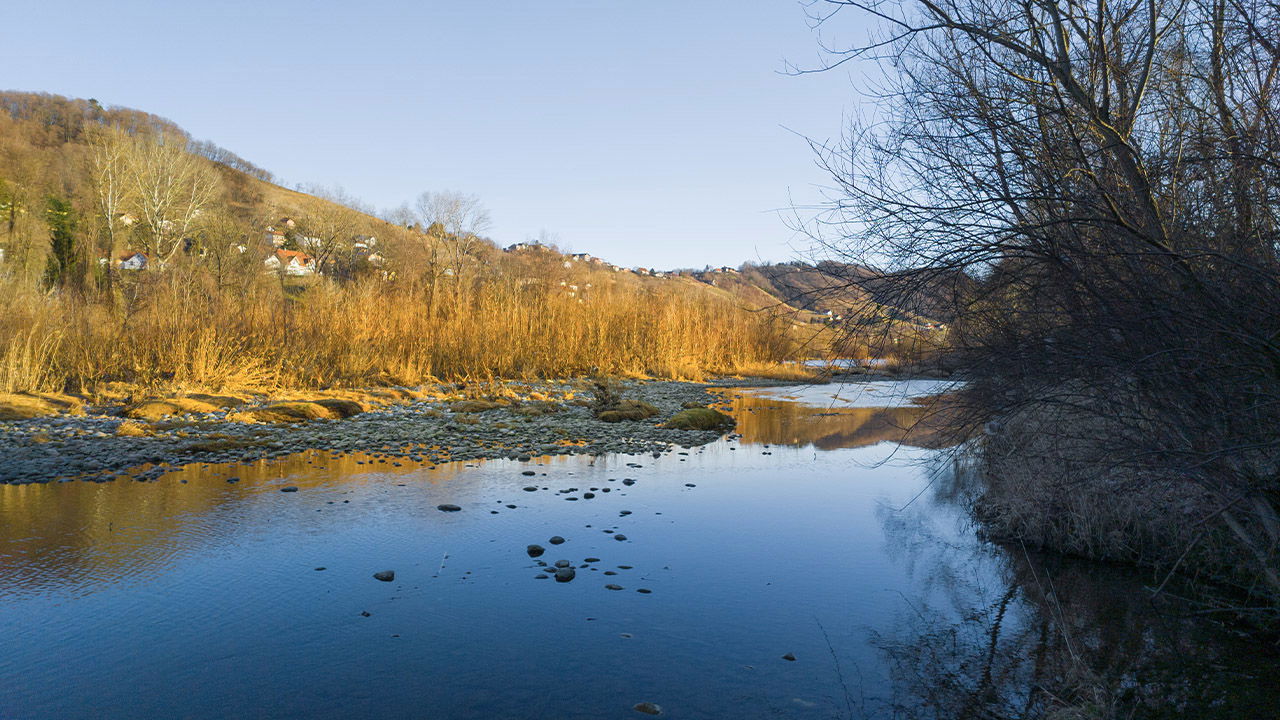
<point>1001,633</point>
<point>87,534</point>
<point>782,422</point>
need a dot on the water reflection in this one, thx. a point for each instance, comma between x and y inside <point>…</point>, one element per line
<point>198,590</point>
<point>1007,633</point>
<point>86,535</point>
<point>772,421</point>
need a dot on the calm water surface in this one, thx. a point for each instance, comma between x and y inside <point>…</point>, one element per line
<point>816,533</point>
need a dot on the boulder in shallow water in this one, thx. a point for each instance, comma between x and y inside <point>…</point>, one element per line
<point>448,507</point>
<point>648,708</point>
<point>535,550</point>
<point>385,575</point>
<point>565,574</point>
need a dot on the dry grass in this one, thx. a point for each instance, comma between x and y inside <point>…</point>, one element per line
<point>130,428</point>
<point>174,333</point>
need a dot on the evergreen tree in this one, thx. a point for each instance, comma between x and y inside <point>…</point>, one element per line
<point>63,252</point>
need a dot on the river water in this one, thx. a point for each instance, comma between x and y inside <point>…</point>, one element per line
<point>819,534</point>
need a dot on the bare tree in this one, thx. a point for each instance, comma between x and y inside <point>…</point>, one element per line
<point>1099,181</point>
<point>325,231</point>
<point>112,190</point>
<point>456,218</point>
<point>172,189</point>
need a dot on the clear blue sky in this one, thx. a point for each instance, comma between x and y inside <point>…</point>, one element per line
<point>651,133</point>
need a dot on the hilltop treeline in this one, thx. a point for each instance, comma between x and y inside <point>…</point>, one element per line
<point>133,254</point>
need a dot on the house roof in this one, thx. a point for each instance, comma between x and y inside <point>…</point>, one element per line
<point>131,254</point>
<point>287,255</point>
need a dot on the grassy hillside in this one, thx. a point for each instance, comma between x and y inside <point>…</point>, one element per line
<point>133,254</point>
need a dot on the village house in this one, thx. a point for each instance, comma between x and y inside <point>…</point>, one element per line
<point>291,262</point>
<point>364,242</point>
<point>131,261</point>
<point>275,237</point>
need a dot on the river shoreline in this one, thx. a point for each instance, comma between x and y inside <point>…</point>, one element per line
<point>95,447</point>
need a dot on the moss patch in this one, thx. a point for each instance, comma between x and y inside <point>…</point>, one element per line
<point>292,412</point>
<point>472,406</point>
<point>221,401</point>
<point>627,410</point>
<point>24,407</point>
<point>157,409</point>
<point>699,419</point>
<point>342,408</point>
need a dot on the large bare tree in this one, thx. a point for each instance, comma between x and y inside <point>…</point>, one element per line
<point>172,189</point>
<point>1102,180</point>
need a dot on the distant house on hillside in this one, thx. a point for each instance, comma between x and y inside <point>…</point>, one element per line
<point>291,262</point>
<point>275,237</point>
<point>580,257</point>
<point>132,261</point>
<point>125,219</point>
<point>364,242</point>
<point>288,222</point>
<point>518,247</point>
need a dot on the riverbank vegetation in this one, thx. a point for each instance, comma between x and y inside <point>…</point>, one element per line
<point>132,254</point>
<point>1098,186</point>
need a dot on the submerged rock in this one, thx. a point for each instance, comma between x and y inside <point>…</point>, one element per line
<point>565,574</point>
<point>556,540</point>
<point>648,708</point>
<point>448,507</point>
<point>385,575</point>
<point>535,550</point>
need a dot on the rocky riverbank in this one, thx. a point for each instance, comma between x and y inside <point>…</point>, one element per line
<point>104,447</point>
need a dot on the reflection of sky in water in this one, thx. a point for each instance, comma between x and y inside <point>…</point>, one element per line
<point>201,598</point>
<point>870,394</point>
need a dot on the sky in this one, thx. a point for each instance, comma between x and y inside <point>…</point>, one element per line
<point>658,133</point>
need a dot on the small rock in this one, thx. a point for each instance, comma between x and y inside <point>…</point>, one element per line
<point>529,473</point>
<point>385,575</point>
<point>530,488</point>
<point>648,708</point>
<point>644,591</point>
<point>448,507</point>
<point>290,488</point>
<point>365,613</point>
<point>320,568</point>
<point>565,574</point>
<point>556,540</point>
<point>541,576</point>
<point>588,495</point>
<point>619,537</point>
<point>563,563</point>
<point>611,586</point>
<point>789,657</point>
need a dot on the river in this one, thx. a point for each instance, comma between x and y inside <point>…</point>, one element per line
<point>817,532</point>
